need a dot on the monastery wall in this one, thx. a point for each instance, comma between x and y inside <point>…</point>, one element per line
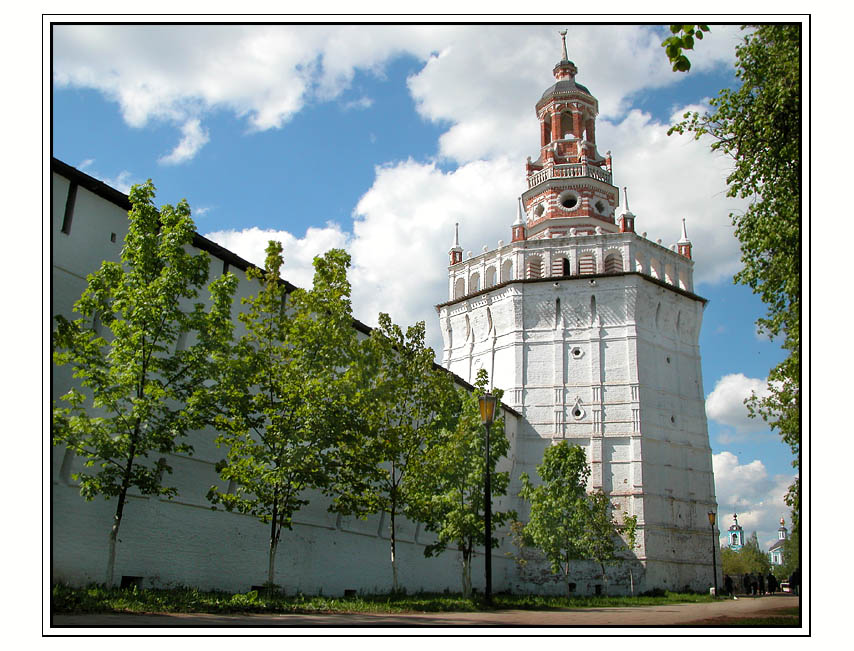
<point>183,541</point>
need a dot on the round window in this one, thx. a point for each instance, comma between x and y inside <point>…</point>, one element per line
<point>568,200</point>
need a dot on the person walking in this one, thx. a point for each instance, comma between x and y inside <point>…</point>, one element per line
<point>728,585</point>
<point>745,582</point>
<point>761,578</point>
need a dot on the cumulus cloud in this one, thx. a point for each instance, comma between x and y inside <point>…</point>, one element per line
<point>403,223</point>
<point>748,490</point>
<point>298,252</point>
<point>725,404</point>
<point>194,138</point>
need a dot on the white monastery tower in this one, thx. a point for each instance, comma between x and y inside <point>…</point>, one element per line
<point>592,332</point>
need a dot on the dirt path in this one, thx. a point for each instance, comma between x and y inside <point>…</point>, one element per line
<point>641,616</point>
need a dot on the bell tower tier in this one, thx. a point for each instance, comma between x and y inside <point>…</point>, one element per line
<point>570,184</point>
<point>592,331</point>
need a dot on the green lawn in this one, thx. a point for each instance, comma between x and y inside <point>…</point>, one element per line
<point>97,599</point>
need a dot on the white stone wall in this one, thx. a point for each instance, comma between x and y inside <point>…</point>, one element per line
<point>610,363</point>
<point>183,541</point>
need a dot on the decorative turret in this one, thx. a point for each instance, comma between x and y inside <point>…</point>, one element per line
<point>519,224</point>
<point>456,251</point>
<point>627,221</point>
<point>684,244</point>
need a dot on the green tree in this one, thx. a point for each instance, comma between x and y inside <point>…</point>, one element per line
<point>791,557</point>
<point>758,125</point>
<point>140,389</point>
<point>402,405</point>
<point>447,491</point>
<point>682,38</point>
<point>750,559</point>
<point>558,507</point>
<point>280,395</point>
<point>607,539</point>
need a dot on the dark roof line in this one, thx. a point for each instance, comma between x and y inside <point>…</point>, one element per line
<point>120,199</point>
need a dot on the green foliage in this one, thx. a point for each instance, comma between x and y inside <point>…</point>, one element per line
<point>791,556</point>
<point>98,599</point>
<point>139,392</point>
<point>447,491</point>
<point>758,125</point>
<point>402,404</point>
<point>750,559</point>
<point>607,538</point>
<point>682,39</point>
<point>279,392</point>
<point>558,510</point>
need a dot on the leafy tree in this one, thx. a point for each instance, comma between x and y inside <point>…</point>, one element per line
<point>140,389</point>
<point>791,557</point>
<point>447,492</point>
<point>758,125</point>
<point>403,404</point>
<point>279,393</point>
<point>558,508</point>
<point>606,538</point>
<point>682,39</point>
<point>750,559</point>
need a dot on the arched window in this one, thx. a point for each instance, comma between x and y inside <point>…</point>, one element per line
<point>587,263</point>
<point>613,262</point>
<point>535,267</point>
<point>560,267</point>
<point>640,264</point>
<point>460,288</point>
<point>489,280</point>
<point>474,283</point>
<point>668,273</point>
<point>506,271</point>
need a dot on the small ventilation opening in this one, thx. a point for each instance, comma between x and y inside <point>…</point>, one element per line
<point>569,201</point>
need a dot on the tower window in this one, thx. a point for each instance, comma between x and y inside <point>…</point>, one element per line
<point>568,200</point>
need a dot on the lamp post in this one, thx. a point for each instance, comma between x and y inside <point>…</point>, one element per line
<point>714,565</point>
<point>487,404</point>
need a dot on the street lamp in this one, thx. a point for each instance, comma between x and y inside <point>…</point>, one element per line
<point>487,403</point>
<point>714,565</point>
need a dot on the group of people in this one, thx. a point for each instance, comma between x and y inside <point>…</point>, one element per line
<point>757,584</point>
<point>752,584</point>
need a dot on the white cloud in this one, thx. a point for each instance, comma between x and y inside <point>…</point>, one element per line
<point>195,137</point>
<point>480,83</point>
<point>298,252</point>
<point>725,404</point>
<point>748,490</point>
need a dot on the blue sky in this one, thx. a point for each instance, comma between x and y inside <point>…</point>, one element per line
<point>380,138</point>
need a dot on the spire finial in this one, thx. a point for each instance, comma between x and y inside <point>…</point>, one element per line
<point>626,197</point>
<point>457,235</point>
<point>519,221</point>
<point>563,40</point>
<point>684,239</point>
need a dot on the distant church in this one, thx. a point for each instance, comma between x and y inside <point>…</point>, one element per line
<point>735,534</point>
<point>775,552</point>
<point>590,328</point>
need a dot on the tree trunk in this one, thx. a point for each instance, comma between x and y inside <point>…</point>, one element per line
<point>395,587</point>
<point>120,507</point>
<point>466,573</point>
<point>274,544</point>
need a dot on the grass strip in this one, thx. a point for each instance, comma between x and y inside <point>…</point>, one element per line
<point>99,599</point>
